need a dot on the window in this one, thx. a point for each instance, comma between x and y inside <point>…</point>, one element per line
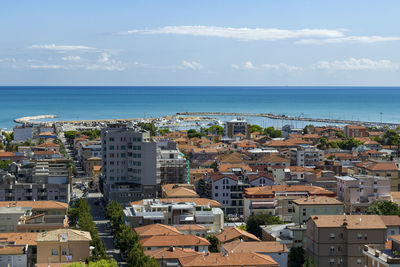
<point>332,236</point>
<point>332,261</point>
<point>54,252</point>
<point>111,139</point>
<point>111,147</point>
<point>123,147</point>
<point>332,249</point>
<point>216,194</point>
<point>216,187</point>
<point>359,236</point>
<point>359,261</point>
<point>64,252</point>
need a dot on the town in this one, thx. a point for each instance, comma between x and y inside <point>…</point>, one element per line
<point>133,194</point>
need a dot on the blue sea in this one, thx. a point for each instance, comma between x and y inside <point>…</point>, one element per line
<point>73,103</point>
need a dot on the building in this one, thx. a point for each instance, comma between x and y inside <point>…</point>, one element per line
<point>306,207</point>
<point>178,211</point>
<point>239,259</point>
<point>44,180</point>
<point>129,164</point>
<point>178,191</point>
<point>392,223</point>
<point>355,131</point>
<point>275,250</point>
<point>305,156</point>
<point>174,168</point>
<point>277,199</point>
<point>382,169</point>
<point>338,240</point>
<point>22,250</point>
<point>359,191</point>
<point>63,246</point>
<point>90,163</point>
<point>230,234</point>
<point>27,216</point>
<point>237,126</point>
<point>170,256</point>
<point>228,187</point>
<point>387,257</point>
<point>193,242</point>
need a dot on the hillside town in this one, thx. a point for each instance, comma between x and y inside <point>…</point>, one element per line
<point>229,194</point>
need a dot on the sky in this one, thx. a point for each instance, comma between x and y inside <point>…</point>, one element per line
<point>207,42</point>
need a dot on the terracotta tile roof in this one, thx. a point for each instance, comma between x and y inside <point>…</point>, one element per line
<point>272,158</point>
<point>261,174</point>
<point>201,171</point>
<point>156,229</point>
<point>317,201</point>
<point>299,169</point>
<point>391,220</point>
<point>229,167</point>
<point>377,166</point>
<point>270,190</point>
<point>12,250</point>
<point>48,144</point>
<point>36,205</point>
<point>258,247</point>
<point>204,151</point>
<point>178,191</point>
<point>7,154</point>
<point>197,201</point>
<point>19,238</point>
<point>46,133</point>
<point>230,233</point>
<point>45,152</point>
<point>349,221</point>
<point>234,157</point>
<point>171,253</point>
<point>176,241</point>
<point>395,195</point>
<point>191,227</point>
<point>218,176</point>
<point>355,127</point>
<point>54,235</point>
<point>228,259</point>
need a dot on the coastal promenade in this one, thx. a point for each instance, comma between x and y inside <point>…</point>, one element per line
<point>292,118</point>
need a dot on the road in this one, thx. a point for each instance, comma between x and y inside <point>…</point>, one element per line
<point>98,214</point>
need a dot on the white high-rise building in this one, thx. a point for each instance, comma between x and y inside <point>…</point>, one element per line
<point>129,164</point>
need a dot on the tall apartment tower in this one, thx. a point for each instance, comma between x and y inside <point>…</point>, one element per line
<point>129,164</point>
<point>237,126</point>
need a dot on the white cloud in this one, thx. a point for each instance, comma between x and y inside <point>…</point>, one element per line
<point>354,64</point>
<point>235,66</point>
<point>349,39</point>
<point>51,67</point>
<point>71,58</point>
<point>245,34</point>
<point>64,48</point>
<point>192,65</point>
<point>248,65</point>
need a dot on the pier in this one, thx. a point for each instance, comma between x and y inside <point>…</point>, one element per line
<point>292,118</point>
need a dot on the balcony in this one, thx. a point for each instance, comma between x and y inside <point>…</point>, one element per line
<point>385,255</point>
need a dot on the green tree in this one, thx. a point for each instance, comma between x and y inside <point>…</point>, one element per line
<point>392,138</point>
<point>310,262</point>
<point>296,257</point>
<point>92,134</point>
<point>377,139</point>
<point>4,164</point>
<point>137,258</point>
<point>148,126</point>
<point>1,146</point>
<point>163,131</point>
<point>214,243</point>
<point>340,135</point>
<point>70,136</point>
<point>243,227</point>
<point>305,129</point>
<point>256,128</point>
<point>192,133</point>
<point>383,208</point>
<point>115,214</point>
<point>214,165</point>
<point>349,144</point>
<point>254,221</point>
<point>126,237</point>
<point>271,132</point>
<point>216,129</point>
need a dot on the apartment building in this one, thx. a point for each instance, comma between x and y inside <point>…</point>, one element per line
<point>387,257</point>
<point>338,240</point>
<point>359,191</point>
<point>355,131</point>
<point>228,187</point>
<point>129,164</point>
<point>316,205</point>
<point>42,180</point>
<point>237,126</point>
<point>305,155</point>
<point>193,242</point>
<point>382,169</point>
<point>174,168</point>
<point>277,199</point>
<point>178,211</point>
<point>63,246</point>
<point>18,249</point>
